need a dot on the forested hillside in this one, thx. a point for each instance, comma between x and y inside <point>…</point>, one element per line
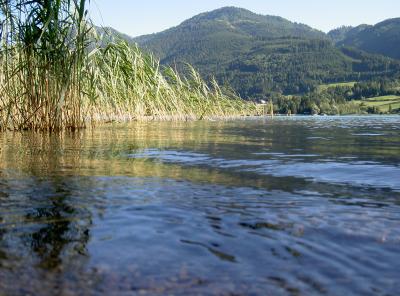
<point>383,38</point>
<point>257,54</point>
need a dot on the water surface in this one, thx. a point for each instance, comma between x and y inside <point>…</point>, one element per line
<point>289,206</point>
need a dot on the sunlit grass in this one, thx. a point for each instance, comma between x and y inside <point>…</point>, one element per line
<point>324,87</point>
<point>133,85</point>
<point>383,104</point>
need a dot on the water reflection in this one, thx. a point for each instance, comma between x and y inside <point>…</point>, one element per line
<point>48,219</point>
<point>3,198</point>
<point>62,227</point>
<point>44,221</point>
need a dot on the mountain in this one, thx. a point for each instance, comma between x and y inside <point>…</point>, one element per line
<point>110,34</point>
<point>257,54</point>
<point>340,34</point>
<point>226,31</point>
<point>383,38</point>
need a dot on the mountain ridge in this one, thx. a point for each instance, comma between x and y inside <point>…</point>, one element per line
<point>232,14</point>
<point>382,38</point>
<point>258,54</point>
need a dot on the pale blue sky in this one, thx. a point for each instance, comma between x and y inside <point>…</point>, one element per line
<point>138,17</point>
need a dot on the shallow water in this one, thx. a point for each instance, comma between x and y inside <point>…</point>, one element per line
<point>289,206</point>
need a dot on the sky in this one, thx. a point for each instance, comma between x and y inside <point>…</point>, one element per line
<point>139,17</point>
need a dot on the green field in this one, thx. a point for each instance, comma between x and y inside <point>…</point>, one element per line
<point>383,103</point>
<point>323,87</point>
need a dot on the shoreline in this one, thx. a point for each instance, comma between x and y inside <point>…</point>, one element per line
<point>89,123</point>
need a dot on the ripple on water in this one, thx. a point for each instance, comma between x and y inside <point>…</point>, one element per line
<point>250,207</point>
<point>356,173</point>
<point>245,234</point>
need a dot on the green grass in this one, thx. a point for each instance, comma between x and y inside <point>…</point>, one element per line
<point>323,87</point>
<point>383,103</point>
<point>383,98</point>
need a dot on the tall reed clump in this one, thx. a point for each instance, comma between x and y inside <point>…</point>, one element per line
<point>42,63</point>
<point>133,85</point>
<point>53,75</point>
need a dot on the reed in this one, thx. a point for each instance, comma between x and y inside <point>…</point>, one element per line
<point>54,76</point>
<point>133,85</point>
<point>43,56</point>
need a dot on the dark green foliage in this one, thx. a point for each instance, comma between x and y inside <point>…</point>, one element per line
<point>337,100</point>
<point>383,38</point>
<point>370,89</point>
<point>258,55</point>
<point>295,66</point>
<point>339,34</point>
<point>327,102</point>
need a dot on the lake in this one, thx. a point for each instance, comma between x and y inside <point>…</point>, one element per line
<point>283,206</point>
